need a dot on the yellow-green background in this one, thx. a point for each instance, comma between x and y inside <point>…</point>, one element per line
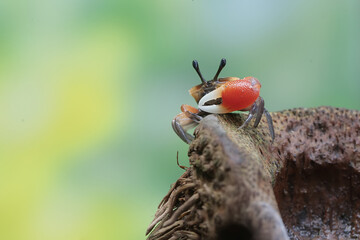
<point>88,90</point>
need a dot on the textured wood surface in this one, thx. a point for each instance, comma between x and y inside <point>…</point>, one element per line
<point>240,185</point>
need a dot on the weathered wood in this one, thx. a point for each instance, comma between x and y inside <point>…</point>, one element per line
<point>304,185</point>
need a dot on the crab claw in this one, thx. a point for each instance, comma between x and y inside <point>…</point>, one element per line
<point>181,124</point>
<point>234,95</point>
<point>212,102</point>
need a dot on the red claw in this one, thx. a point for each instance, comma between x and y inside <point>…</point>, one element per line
<point>240,94</point>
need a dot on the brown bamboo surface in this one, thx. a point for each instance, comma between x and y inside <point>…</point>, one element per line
<point>240,185</point>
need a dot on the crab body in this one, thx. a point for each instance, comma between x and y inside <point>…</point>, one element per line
<point>234,95</point>
<point>220,96</point>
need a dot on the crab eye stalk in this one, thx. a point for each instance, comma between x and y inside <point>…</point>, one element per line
<point>197,69</point>
<point>221,66</point>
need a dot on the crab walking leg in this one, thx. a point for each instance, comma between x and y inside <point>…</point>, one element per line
<point>181,124</point>
<point>270,124</point>
<point>260,110</point>
<point>252,112</point>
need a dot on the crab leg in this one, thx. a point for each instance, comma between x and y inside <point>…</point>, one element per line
<point>260,110</point>
<point>180,131</point>
<point>252,112</point>
<point>184,121</point>
<point>270,124</point>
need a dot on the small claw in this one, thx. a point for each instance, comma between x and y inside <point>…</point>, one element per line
<point>196,118</point>
<point>184,121</point>
<point>191,113</point>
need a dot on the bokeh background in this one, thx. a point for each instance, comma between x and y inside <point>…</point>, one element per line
<point>88,90</point>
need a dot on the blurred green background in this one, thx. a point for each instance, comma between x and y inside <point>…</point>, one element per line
<point>88,90</point>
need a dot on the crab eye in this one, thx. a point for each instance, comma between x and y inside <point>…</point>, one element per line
<point>197,69</point>
<point>221,66</point>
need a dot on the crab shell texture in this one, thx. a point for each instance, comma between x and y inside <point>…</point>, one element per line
<point>232,94</point>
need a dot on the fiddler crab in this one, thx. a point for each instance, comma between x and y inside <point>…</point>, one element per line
<point>220,96</point>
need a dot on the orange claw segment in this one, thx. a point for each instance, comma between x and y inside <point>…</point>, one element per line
<point>240,94</point>
<point>187,108</point>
